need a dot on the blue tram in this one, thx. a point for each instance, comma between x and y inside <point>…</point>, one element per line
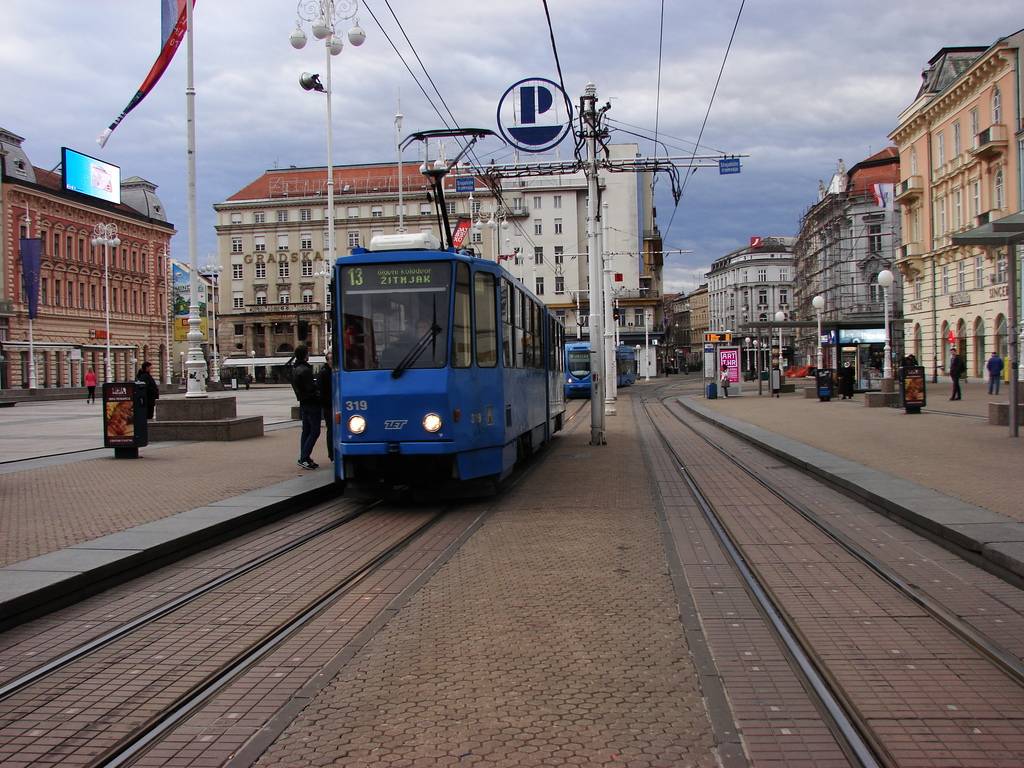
<point>577,367</point>
<point>448,368</point>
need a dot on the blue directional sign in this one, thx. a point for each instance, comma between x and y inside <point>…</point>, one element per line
<point>534,115</point>
<point>729,165</point>
<point>465,184</point>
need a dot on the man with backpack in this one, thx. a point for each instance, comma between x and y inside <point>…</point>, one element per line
<point>307,392</point>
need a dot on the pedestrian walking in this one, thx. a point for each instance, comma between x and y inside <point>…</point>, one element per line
<point>325,380</point>
<point>307,393</point>
<point>725,382</point>
<point>994,366</point>
<point>152,390</point>
<point>956,370</point>
<point>90,385</point>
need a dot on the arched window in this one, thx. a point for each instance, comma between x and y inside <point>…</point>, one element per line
<point>979,347</point>
<point>998,190</point>
<point>997,105</point>
<point>1001,340</point>
<point>961,340</point>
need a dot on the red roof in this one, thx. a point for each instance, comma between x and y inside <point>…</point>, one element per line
<point>881,168</point>
<point>352,179</point>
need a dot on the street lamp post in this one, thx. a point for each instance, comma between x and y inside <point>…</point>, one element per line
<point>818,302</point>
<point>885,278</point>
<point>106,235</point>
<point>325,272</point>
<point>746,344</point>
<point>324,16</point>
<point>213,271</point>
<point>647,351</point>
<point>780,318</point>
<point>168,310</point>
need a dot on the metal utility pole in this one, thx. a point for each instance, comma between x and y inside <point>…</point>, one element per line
<point>610,350</point>
<point>589,118</point>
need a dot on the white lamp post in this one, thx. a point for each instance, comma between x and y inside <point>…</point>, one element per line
<point>324,16</point>
<point>780,317</point>
<point>818,302</point>
<point>213,271</point>
<point>746,344</point>
<point>885,278</point>
<point>325,273</point>
<point>647,352</point>
<point>106,235</point>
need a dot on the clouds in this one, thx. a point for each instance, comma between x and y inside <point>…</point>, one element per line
<point>805,84</point>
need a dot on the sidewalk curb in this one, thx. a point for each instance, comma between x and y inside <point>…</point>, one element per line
<point>39,585</point>
<point>992,538</point>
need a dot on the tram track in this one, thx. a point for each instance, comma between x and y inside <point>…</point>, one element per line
<point>845,714</point>
<point>170,661</point>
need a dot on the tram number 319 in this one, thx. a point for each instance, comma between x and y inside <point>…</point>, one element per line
<point>355,405</point>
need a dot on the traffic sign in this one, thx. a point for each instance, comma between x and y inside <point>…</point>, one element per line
<point>728,165</point>
<point>534,115</point>
<point>465,184</point>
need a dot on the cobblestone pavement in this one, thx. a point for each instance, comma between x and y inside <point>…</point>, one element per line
<point>947,447</point>
<point>48,508</point>
<point>551,638</point>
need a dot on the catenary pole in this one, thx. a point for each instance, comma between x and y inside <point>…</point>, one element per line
<point>610,372</point>
<point>589,112</point>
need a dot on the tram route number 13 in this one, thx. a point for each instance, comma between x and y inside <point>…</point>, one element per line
<point>355,405</point>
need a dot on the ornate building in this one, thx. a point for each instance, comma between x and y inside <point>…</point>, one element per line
<point>961,145</point>
<point>69,331</point>
<point>846,238</point>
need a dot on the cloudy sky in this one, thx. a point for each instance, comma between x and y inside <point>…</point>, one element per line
<point>806,82</point>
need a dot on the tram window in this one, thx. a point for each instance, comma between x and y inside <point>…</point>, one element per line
<point>536,329</point>
<point>386,311</point>
<point>519,330</point>
<point>462,342</point>
<point>485,320</point>
<point>507,322</point>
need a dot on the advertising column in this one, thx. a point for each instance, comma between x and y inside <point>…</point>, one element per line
<point>729,363</point>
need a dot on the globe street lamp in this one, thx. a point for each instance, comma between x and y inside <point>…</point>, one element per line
<point>106,235</point>
<point>885,278</point>
<point>213,271</point>
<point>324,16</point>
<point>780,317</point>
<point>325,272</point>
<point>818,302</point>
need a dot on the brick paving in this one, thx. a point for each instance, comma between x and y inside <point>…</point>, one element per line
<point>947,447</point>
<point>551,638</point>
<point>49,508</point>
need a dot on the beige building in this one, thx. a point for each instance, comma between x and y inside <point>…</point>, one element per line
<point>700,321</point>
<point>272,237</point>
<point>961,146</point>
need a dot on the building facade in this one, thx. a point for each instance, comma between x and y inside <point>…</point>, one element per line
<point>846,239</point>
<point>272,245</point>
<point>69,334</point>
<point>697,300</point>
<point>961,146</point>
<point>748,286</point>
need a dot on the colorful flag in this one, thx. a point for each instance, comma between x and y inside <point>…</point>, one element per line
<point>31,255</point>
<point>882,194</point>
<point>172,30</point>
<point>461,230</point>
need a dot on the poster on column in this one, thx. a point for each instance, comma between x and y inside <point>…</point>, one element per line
<point>180,295</point>
<point>729,360</point>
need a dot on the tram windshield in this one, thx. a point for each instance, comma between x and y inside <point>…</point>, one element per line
<point>579,362</point>
<point>389,309</point>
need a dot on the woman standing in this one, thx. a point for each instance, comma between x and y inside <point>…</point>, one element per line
<point>90,383</point>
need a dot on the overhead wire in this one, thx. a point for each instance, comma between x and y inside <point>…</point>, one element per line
<point>703,125</point>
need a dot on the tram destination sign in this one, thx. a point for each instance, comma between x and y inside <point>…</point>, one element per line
<point>396,277</point>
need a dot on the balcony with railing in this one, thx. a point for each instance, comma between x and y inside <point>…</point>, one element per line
<point>909,189</point>
<point>992,141</point>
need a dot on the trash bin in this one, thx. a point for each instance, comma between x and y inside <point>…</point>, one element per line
<point>712,390</point>
<point>823,383</point>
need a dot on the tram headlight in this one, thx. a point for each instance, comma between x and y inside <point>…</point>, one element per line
<point>432,422</point>
<point>356,424</point>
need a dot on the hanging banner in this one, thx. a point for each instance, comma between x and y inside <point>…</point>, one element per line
<point>180,295</point>
<point>461,230</point>
<point>172,30</point>
<point>31,255</point>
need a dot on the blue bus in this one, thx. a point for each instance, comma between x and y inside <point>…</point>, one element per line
<point>577,367</point>
<point>449,370</point>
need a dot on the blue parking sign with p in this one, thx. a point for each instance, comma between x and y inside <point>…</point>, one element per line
<point>534,115</point>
